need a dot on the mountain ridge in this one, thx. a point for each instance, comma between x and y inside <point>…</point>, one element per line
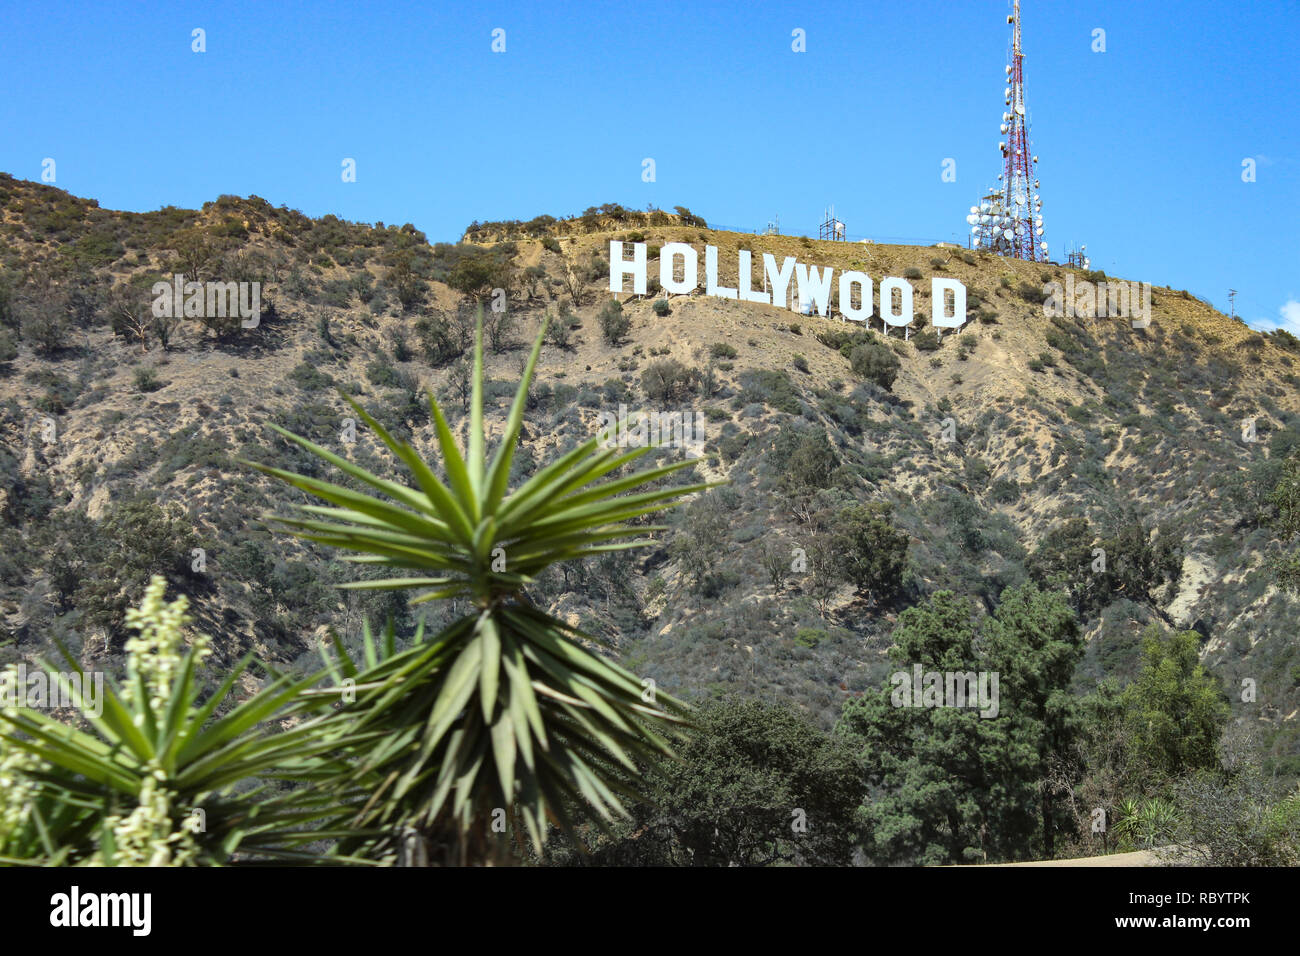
<point>1051,419</point>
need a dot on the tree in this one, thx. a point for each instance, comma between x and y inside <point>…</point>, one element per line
<point>688,218</point>
<point>45,327</point>
<point>1064,558</point>
<point>532,276</point>
<point>575,283</point>
<point>1098,570</point>
<point>613,323</point>
<point>503,709</point>
<point>196,253</point>
<point>559,332</point>
<point>130,315</point>
<point>953,784</point>
<point>1034,643</point>
<point>871,552</point>
<point>436,339</point>
<point>807,461</point>
<point>700,546</point>
<point>478,272</point>
<point>823,571</point>
<point>499,328</point>
<point>875,362</point>
<point>776,562</point>
<point>406,284</point>
<point>461,380</point>
<point>757,784</point>
<point>1175,709</point>
<point>668,380</point>
<point>1237,819</point>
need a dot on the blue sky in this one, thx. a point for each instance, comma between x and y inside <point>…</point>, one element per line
<point>1141,147</point>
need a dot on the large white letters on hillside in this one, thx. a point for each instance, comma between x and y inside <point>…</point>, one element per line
<point>812,285</point>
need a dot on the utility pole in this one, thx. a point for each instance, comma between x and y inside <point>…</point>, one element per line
<point>1232,304</point>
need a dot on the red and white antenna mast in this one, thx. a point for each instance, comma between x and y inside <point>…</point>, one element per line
<point>1009,220</point>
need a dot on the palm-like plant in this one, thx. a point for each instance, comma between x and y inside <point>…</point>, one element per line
<point>504,709</point>
<point>158,777</point>
<point>1146,823</point>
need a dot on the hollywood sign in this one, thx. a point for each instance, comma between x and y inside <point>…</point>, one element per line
<point>811,286</point>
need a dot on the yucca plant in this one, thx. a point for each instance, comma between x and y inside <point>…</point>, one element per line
<point>505,713</point>
<point>157,777</point>
<point>1145,823</point>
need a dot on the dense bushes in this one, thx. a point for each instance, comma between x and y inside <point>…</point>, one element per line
<point>103,567</point>
<point>731,799</point>
<point>668,380</point>
<point>876,363</point>
<point>1096,568</point>
<point>614,324</point>
<point>870,551</point>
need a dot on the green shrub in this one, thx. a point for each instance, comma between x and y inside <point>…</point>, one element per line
<point>309,378</point>
<point>614,325</point>
<point>382,374</point>
<point>927,340</point>
<point>770,387</point>
<point>146,380</point>
<point>668,380</point>
<point>810,636</point>
<point>876,363</point>
<point>1032,293</point>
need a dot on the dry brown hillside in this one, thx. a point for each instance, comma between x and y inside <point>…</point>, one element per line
<point>1049,419</point>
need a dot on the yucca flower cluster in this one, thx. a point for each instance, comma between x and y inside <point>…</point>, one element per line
<point>157,653</point>
<point>149,835</point>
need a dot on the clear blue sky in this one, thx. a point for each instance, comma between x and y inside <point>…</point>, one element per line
<point>1141,146</point>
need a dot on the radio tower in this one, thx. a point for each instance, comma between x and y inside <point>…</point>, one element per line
<point>1009,220</point>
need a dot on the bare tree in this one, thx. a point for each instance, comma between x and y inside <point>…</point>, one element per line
<point>196,253</point>
<point>776,562</point>
<point>460,381</point>
<point>132,316</point>
<point>575,283</point>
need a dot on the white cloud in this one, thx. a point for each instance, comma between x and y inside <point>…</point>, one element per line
<point>1291,316</point>
<point>1288,318</point>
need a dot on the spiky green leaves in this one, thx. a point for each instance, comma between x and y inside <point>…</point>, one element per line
<point>155,759</point>
<point>505,709</point>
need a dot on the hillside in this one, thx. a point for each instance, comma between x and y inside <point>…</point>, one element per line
<point>1137,430</point>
